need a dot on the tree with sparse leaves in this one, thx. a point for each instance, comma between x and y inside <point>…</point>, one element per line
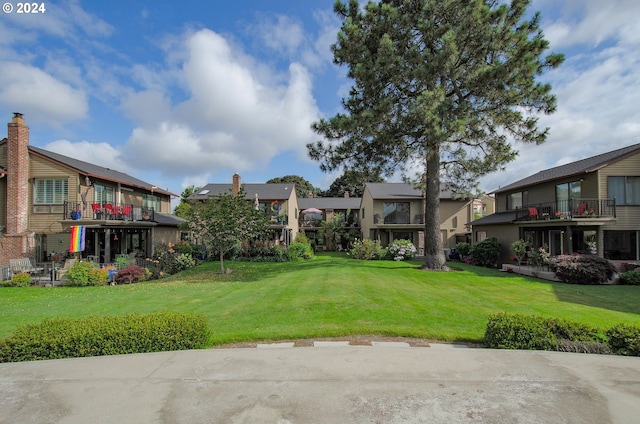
<point>224,221</point>
<point>444,86</point>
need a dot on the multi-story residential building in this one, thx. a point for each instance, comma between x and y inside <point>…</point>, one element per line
<point>315,210</point>
<point>278,201</point>
<point>43,194</point>
<point>392,211</point>
<point>588,206</point>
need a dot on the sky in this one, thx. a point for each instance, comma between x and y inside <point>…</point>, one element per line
<point>181,93</point>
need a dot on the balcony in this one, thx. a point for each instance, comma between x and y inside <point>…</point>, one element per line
<point>574,209</point>
<point>108,212</point>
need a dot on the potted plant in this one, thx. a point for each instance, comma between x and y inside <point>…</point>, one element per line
<point>282,218</point>
<point>76,214</point>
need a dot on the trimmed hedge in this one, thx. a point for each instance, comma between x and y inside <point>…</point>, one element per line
<point>624,340</point>
<point>57,338</point>
<point>515,331</point>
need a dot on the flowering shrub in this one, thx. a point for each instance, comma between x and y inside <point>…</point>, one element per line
<point>582,269</point>
<point>367,250</point>
<point>402,250</point>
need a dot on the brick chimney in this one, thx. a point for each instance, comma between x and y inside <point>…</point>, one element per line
<point>346,194</point>
<point>310,195</point>
<point>235,186</point>
<point>18,240</point>
<point>17,175</point>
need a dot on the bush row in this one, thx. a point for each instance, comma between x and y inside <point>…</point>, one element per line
<point>108,335</point>
<point>515,331</point>
<point>398,250</point>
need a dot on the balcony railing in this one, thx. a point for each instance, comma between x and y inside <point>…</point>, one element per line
<point>108,211</point>
<point>568,209</point>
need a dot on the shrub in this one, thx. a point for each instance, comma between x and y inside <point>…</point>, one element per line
<point>80,275</point>
<point>631,278</point>
<point>367,250</point>
<point>130,274</point>
<point>98,277</point>
<point>629,266</point>
<point>262,252</point>
<point>463,248</point>
<point>401,250</point>
<point>582,269</point>
<point>301,238</point>
<point>299,250</point>
<point>514,331</point>
<point>624,339</point>
<point>107,335</point>
<point>485,253</point>
<point>21,279</point>
<point>184,261</point>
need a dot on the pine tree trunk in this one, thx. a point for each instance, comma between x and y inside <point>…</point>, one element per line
<point>433,251</point>
<point>221,262</point>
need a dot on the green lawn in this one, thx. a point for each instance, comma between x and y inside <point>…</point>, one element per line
<point>333,295</point>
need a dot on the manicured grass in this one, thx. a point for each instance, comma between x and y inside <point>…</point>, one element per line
<point>333,295</point>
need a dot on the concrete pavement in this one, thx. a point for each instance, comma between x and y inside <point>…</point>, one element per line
<point>328,383</point>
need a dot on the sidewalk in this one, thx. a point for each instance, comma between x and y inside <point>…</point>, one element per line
<point>332,382</point>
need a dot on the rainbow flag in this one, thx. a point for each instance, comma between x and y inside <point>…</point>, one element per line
<point>76,244</point>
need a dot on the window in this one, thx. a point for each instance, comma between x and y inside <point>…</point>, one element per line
<point>566,192</point>
<point>396,213</point>
<point>621,245</point>
<point>481,235</point>
<point>50,191</point>
<point>103,194</point>
<point>626,190</point>
<point>151,201</point>
<point>517,200</point>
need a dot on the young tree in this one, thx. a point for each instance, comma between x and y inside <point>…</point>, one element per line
<point>183,209</point>
<point>224,221</point>
<point>444,85</point>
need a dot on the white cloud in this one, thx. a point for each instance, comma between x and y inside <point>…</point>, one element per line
<point>235,117</point>
<point>103,154</point>
<point>36,93</point>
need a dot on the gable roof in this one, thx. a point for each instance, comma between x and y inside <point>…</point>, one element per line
<point>400,191</point>
<point>95,171</point>
<point>583,166</point>
<point>329,202</point>
<point>279,191</point>
<point>167,219</point>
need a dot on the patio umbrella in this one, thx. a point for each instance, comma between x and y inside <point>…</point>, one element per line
<point>311,210</point>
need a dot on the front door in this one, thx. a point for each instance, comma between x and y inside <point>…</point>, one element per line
<point>556,242</point>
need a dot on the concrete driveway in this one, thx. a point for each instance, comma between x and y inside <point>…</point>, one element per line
<point>328,383</point>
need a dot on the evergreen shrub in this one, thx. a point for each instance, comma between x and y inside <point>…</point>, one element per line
<point>57,338</point>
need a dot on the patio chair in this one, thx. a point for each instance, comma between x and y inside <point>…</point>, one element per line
<point>533,213</point>
<point>66,267</point>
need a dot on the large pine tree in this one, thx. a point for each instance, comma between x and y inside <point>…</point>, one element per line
<point>445,85</point>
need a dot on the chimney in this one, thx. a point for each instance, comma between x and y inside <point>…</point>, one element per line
<point>235,186</point>
<point>17,175</point>
<point>310,195</point>
<point>346,194</point>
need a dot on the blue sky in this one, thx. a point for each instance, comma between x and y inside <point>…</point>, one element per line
<point>189,92</point>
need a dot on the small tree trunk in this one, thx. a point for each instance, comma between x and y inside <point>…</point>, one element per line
<point>221,262</point>
<point>433,251</point>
